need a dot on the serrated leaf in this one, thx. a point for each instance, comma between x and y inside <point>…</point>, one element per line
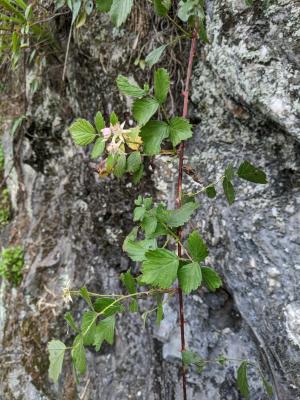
<point>229,172</point>
<point>78,355</point>
<point>160,268</point>
<point>88,325</point>
<point>211,192</point>
<point>138,213</point>
<point>137,176</point>
<point>106,303</point>
<point>56,350</point>
<point>120,166</point>
<point>120,10</point>
<point>190,277</point>
<point>180,129</point>
<point>136,249</point>
<point>149,225</point>
<point>161,7</point>
<point>154,56</point>
<point>242,380</point>
<point>105,330</point>
<point>129,282</point>
<point>197,247</point>
<point>178,217</point>
<point>104,5</point>
<point>70,320</point>
<point>143,109</point>
<point>113,118</point>
<point>82,132</point>
<point>161,85</point>
<point>250,173</point>
<point>99,122</point>
<point>98,148</point>
<point>129,89</point>
<point>85,295</point>
<point>228,190</point>
<point>134,161</point>
<point>211,279</point>
<point>153,133</point>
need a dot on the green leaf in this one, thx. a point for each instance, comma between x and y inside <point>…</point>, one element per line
<point>138,213</point>
<point>120,10</point>
<point>98,148</point>
<point>190,9</point>
<point>161,85</point>
<point>149,225</point>
<point>153,133</point>
<point>129,89</point>
<point>130,283</point>
<point>113,118</point>
<point>178,217</point>
<point>211,279</point>
<point>197,247</point>
<point>161,7</point>
<point>267,386</point>
<point>82,132</point>
<point>137,176</point>
<point>180,129</point>
<point>229,172</point>
<point>88,326</point>
<point>106,303</point>
<point>104,5</point>
<point>78,355</point>
<point>110,163</point>
<point>242,380</point>
<point>250,173</point>
<point>154,56</point>
<point>120,166</point>
<point>56,350</point>
<point>228,190</point>
<point>143,109</point>
<point>134,161</point>
<point>190,277</point>
<point>136,249</point>
<point>85,295</point>
<point>99,122</point>
<point>190,357</point>
<point>211,192</point>
<point>105,330</point>
<point>159,314</point>
<point>160,268</point>
<point>70,320</point>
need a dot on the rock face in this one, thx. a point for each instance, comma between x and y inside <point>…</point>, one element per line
<point>245,105</point>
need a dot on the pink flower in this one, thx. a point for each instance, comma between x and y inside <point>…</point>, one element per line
<point>106,132</point>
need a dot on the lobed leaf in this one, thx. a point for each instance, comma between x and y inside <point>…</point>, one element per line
<point>180,129</point>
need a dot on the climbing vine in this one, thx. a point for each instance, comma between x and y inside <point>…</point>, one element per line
<point>170,264</point>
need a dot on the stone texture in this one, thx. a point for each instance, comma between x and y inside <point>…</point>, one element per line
<point>245,105</point>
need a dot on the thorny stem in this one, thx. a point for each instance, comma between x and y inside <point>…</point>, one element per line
<point>178,199</point>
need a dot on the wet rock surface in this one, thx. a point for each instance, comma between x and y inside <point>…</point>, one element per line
<point>245,105</point>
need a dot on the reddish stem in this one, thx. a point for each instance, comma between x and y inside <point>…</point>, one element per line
<point>179,196</point>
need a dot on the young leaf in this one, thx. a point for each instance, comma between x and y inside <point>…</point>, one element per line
<point>110,163</point>
<point>160,268</point>
<point>211,279</point>
<point>136,250</point>
<point>134,161</point>
<point>82,132</point>
<point>104,5</point>
<point>113,118</point>
<point>120,10</point>
<point>88,325</point>
<point>138,213</point>
<point>105,303</point>
<point>78,355</point>
<point>154,56</point>
<point>242,380</point>
<point>180,129</point>
<point>129,89</point>
<point>137,176</point>
<point>149,225</point>
<point>197,247</point>
<point>98,148</point>
<point>178,217</point>
<point>105,330</point>
<point>161,7</point>
<point>70,320</point>
<point>161,85</point>
<point>120,166</point>
<point>211,192</point>
<point>250,173</point>
<point>143,109</point>
<point>99,122</point>
<point>56,350</point>
<point>189,276</point>
<point>85,295</point>
<point>228,190</point>
<point>153,133</point>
